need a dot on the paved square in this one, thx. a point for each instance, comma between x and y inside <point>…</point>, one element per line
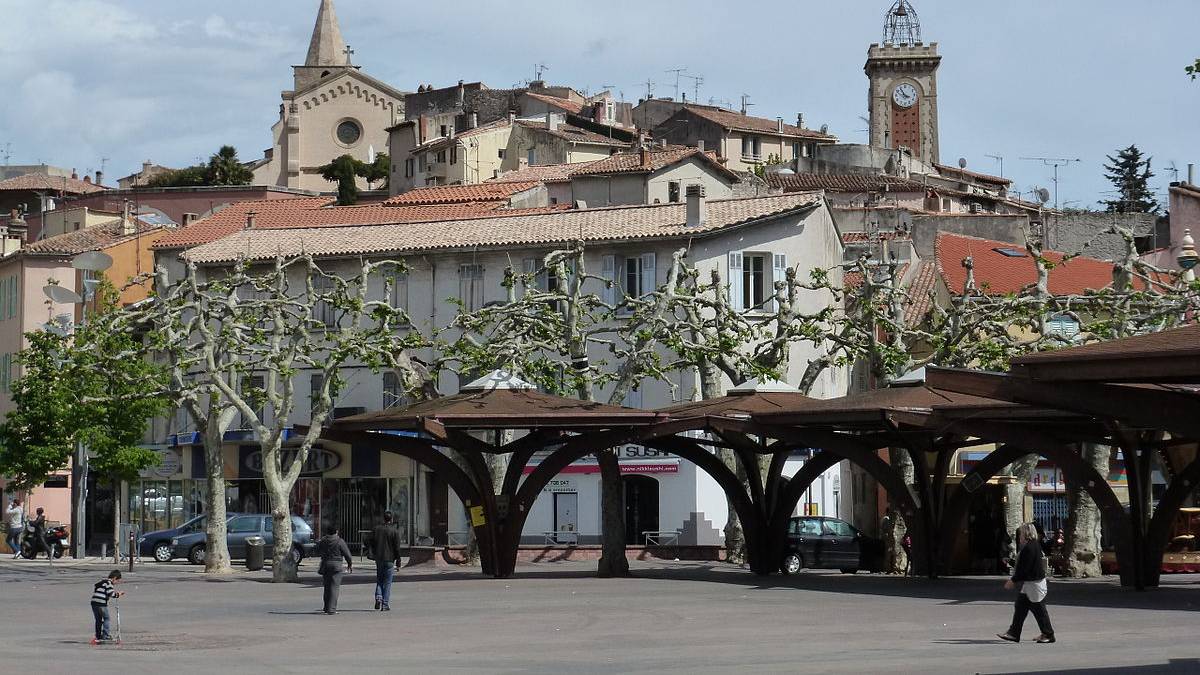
<point>557,618</point>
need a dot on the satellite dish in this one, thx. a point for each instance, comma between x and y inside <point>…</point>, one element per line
<point>962,162</point>
<point>1043,195</point>
<point>61,295</point>
<point>92,261</point>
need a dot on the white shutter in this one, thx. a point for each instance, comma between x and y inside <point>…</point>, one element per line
<point>649,279</point>
<point>778,273</point>
<point>735,280</point>
<point>608,271</point>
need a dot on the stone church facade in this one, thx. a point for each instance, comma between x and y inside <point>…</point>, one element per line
<point>333,109</point>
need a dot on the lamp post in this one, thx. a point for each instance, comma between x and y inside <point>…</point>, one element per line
<point>89,264</point>
<point>1187,257</point>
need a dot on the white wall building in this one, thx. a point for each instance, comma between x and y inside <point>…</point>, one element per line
<point>750,241</point>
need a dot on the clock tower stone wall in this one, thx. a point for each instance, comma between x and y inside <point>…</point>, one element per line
<point>892,125</point>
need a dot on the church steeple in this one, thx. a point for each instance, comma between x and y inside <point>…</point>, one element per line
<point>327,48</point>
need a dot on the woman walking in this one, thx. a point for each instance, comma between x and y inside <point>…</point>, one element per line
<point>333,551</point>
<point>1030,573</point>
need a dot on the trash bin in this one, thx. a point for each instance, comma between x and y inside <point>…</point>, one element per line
<point>255,546</point>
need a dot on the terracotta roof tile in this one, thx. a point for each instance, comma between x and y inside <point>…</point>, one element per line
<point>853,182</point>
<point>863,237</point>
<point>546,173</point>
<point>762,125</point>
<point>541,228</point>
<point>1009,274</point>
<point>655,159</point>
<point>38,181</point>
<point>91,238</point>
<point>313,212</point>
<point>920,290</point>
<point>561,103</point>
<point>455,194</point>
<point>573,133</point>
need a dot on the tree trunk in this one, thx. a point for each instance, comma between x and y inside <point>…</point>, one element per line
<point>1083,553</point>
<point>1014,501</point>
<point>613,562</point>
<point>116,531</point>
<point>216,553</point>
<point>735,536</point>
<point>896,558</point>
<point>283,568</point>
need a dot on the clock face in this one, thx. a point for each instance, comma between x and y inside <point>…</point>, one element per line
<point>905,95</point>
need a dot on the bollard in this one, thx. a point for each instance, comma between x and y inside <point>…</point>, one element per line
<point>132,543</point>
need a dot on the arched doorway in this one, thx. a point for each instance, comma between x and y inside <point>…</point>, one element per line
<point>640,496</point>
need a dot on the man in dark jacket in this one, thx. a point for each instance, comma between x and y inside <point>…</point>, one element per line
<point>1030,574</point>
<point>333,550</point>
<point>385,544</point>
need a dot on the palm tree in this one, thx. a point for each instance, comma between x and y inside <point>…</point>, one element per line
<point>224,168</point>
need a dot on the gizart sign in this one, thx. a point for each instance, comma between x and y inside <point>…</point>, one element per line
<point>318,462</point>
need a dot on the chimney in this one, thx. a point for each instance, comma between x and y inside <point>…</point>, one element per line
<point>662,143</point>
<point>17,226</point>
<point>697,210</point>
<point>512,116</point>
<point>800,120</point>
<point>1191,173</point>
<point>645,152</point>
<point>99,178</point>
<point>74,176</point>
<point>700,145</point>
<point>422,125</point>
<point>461,93</point>
<point>551,121</point>
<point>146,166</point>
<point>87,178</point>
<point>250,220</point>
<point>472,120</point>
<point>779,124</point>
<point>128,226</point>
<point>599,115</point>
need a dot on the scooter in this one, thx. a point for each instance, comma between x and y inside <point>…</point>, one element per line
<point>56,538</point>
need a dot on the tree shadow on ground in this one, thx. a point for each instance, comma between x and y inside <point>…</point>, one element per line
<point>1172,666</point>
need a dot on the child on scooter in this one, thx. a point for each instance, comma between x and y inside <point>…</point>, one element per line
<point>101,593</point>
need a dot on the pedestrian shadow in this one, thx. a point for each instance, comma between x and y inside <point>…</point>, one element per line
<point>318,612</point>
<point>967,641</point>
<point>1171,666</point>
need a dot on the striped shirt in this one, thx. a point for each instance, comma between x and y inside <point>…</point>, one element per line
<point>103,591</point>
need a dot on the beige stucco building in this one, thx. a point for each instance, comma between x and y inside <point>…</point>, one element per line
<point>333,109</point>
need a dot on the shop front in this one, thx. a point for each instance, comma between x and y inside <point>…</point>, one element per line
<point>349,487</point>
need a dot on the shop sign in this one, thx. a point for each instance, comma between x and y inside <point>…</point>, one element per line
<point>169,464</point>
<point>1047,479</point>
<point>631,458</point>
<point>319,461</point>
<point>560,485</point>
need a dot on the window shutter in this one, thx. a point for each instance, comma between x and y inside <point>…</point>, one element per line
<point>4,298</point>
<point>608,271</point>
<point>649,274</point>
<point>735,280</point>
<point>778,273</point>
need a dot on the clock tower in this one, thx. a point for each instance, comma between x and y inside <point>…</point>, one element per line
<point>902,99</point>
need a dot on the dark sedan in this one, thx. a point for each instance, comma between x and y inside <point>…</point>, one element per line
<point>157,544</point>
<point>238,529</point>
<point>819,542</point>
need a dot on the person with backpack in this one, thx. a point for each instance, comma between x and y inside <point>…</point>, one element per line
<point>102,592</point>
<point>1030,572</point>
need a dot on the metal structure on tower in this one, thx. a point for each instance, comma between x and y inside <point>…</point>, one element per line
<point>902,26</point>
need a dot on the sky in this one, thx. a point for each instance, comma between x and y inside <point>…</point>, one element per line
<point>117,82</point>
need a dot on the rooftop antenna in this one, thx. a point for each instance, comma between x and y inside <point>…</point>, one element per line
<point>538,69</point>
<point>677,72</point>
<point>1170,168</point>
<point>1054,162</point>
<point>697,80</point>
<point>649,88</point>
<point>998,158</point>
<point>745,102</point>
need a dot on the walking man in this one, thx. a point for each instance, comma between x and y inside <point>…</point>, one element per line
<point>333,550</point>
<point>385,543</point>
<point>14,519</point>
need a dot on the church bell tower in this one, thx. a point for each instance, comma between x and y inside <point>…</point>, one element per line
<point>902,99</point>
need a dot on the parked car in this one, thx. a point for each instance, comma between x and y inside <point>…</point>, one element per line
<point>819,542</point>
<point>157,544</point>
<point>241,527</point>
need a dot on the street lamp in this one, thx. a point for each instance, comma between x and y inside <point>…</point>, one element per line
<point>92,262</point>
<point>1187,257</point>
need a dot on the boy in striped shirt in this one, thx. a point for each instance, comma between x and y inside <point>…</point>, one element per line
<point>103,590</point>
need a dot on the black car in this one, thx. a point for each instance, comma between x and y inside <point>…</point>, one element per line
<point>157,544</point>
<point>238,529</point>
<point>819,542</point>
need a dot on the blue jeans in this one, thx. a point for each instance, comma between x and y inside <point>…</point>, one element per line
<point>383,581</point>
<point>100,612</point>
<point>13,539</point>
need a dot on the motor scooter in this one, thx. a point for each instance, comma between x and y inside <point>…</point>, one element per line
<point>56,538</point>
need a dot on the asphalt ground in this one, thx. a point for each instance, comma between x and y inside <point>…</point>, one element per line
<point>557,618</point>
